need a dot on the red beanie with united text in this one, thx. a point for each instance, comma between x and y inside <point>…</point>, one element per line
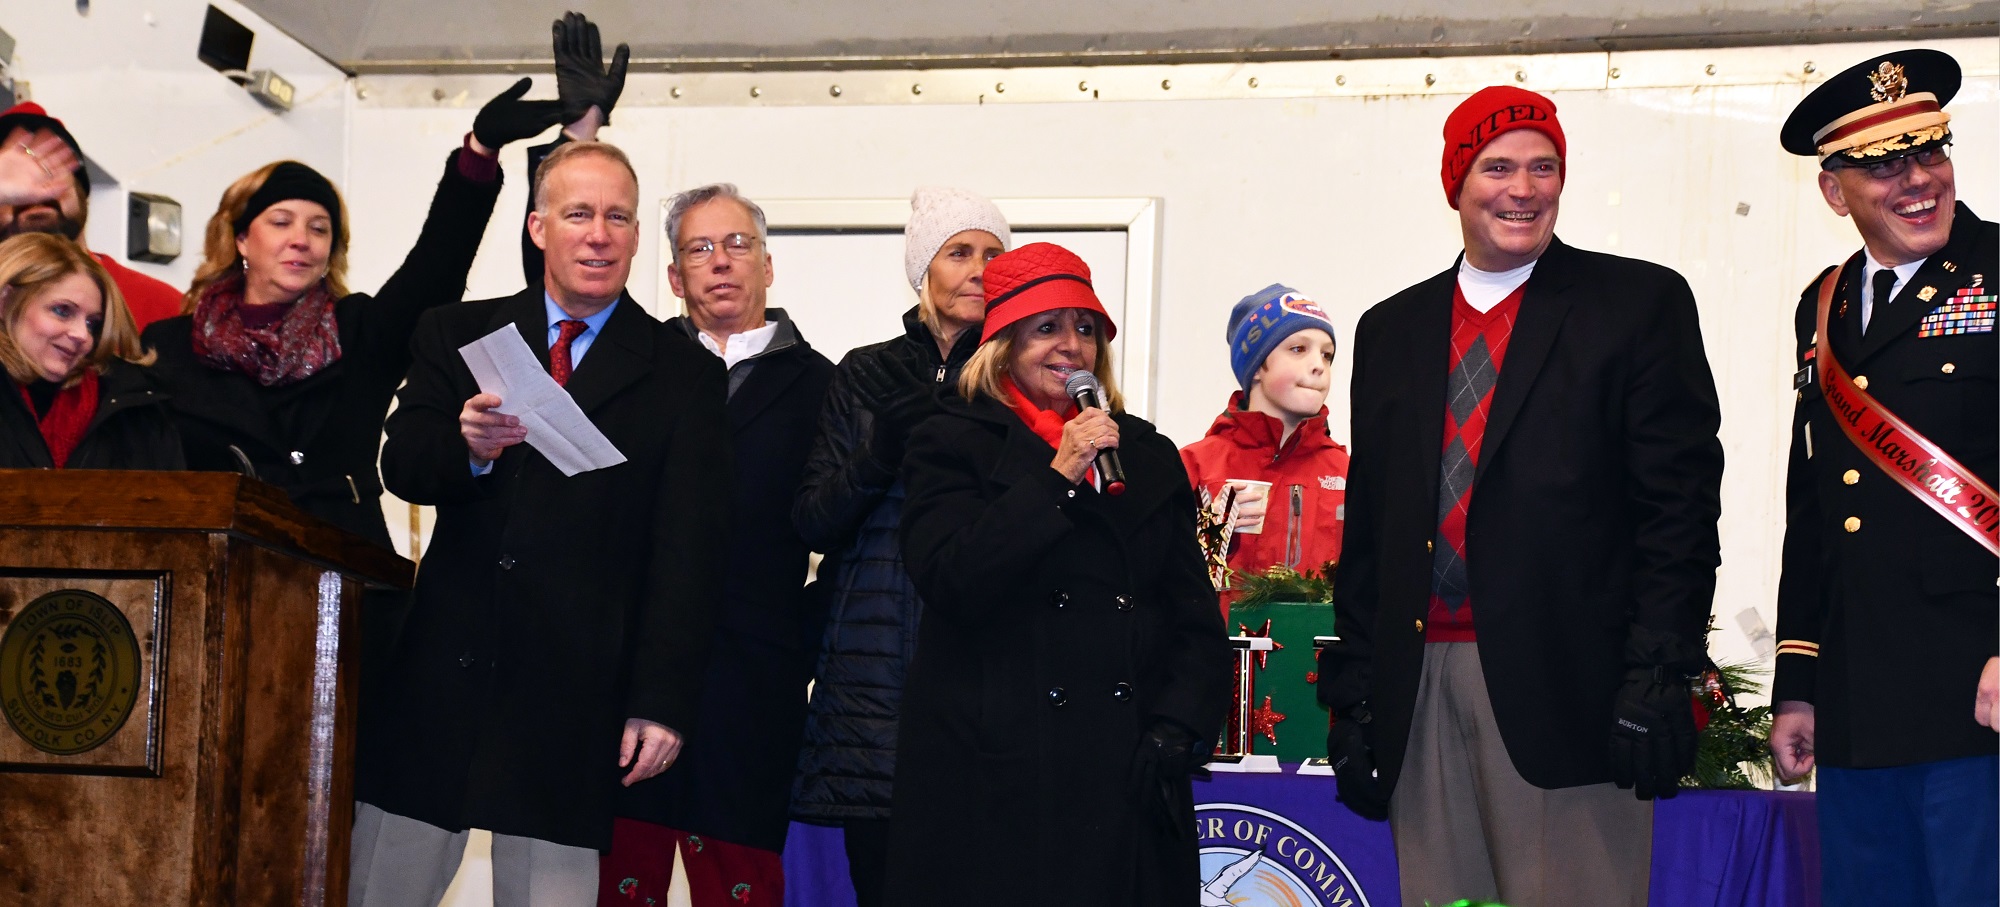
<point>1488,114</point>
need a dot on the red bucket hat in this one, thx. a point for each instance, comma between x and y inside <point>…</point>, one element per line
<point>1485,116</point>
<point>1036,278</point>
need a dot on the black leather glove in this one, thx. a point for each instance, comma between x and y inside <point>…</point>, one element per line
<point>581,78</point>
<point>1652,733</point>
<point>1350,750</point>
<point>507,118</point>
<point>1168,753</point>
<point>898,398</point>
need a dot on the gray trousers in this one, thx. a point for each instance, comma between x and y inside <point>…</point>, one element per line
<point>400,862</point>
<point>1467,826</point>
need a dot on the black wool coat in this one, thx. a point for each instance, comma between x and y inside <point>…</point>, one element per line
<point>733,780</point>
<point>131,429</point>
<point>1900,609</point>
<point>1591,540</point>
<point>317,438</point>
<point>850,506</point>
<point>549,609</point>
<point>1059,623</point>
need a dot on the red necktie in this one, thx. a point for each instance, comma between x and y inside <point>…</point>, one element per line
<point>559,367</point>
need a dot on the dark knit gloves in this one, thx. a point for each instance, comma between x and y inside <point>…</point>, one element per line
<point>581,77</point>
<point>507,118</point>
<point>899,395</point>
<point>1349,749</point>
<point>1652,733</point>
<point>1168,753</point>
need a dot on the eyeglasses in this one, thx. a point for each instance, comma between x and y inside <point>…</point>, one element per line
<point>737,245</point>
<point>1895,167</point>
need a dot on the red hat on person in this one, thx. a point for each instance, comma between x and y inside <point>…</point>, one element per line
<point>1485,116</point>
<point>1036,278</point>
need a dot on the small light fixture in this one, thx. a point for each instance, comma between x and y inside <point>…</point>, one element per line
<point>153,228</point>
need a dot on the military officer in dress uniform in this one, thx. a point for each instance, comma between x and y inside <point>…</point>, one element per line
<point>1887,674</point>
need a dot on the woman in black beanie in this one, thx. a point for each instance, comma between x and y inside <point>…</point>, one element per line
<point>276,369</point>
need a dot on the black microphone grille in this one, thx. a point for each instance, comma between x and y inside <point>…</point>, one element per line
<point>1080,381</point>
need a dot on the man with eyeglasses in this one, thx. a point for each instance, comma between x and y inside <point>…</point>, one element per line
<point>725,805</point>
<point>1887,676</point>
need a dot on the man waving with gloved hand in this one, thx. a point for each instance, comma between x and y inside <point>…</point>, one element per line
<point>1531,544</point>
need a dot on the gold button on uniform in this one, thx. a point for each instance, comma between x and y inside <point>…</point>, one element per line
<point>1947,368</point>
<point>1850,477</point>
<point>1420,626</point>
<point>1853,524</point>
<point>1861,381</point>
<point>1430,546</point>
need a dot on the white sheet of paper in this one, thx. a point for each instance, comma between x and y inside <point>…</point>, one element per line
<point>504,367</point>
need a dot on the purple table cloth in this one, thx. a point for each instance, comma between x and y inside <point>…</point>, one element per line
<point>1281,840</point>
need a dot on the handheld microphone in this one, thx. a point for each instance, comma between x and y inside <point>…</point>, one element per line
<point>1082,387</point>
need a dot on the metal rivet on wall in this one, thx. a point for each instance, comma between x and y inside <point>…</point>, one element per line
<point>756,92</point>
<point>1810,68</point>
<point>437,94</point>
<point>1340,80</point>
<point>1520,75</point>
<point>1166,84</point>
<point>835,91</point>
<point>1430,78</point>
<point>1615,73</point>
<point>1083,86</point>
<point>917,88</point>
<point>1710,69</point>
<point>999,88</point>
<point>676,92</point>
<point>1253,81</point>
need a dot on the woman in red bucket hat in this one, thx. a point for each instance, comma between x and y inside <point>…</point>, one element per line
<point>1070,668</point>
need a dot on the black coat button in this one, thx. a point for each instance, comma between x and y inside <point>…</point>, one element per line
<point>1057,697</point>
<point>1124,602</point>
<point>1059,599</point>
<point>506,563</point>
<point>466,660</point>
<point>1122,692</point>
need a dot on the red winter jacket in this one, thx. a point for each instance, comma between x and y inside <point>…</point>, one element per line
<point>1308,477</point>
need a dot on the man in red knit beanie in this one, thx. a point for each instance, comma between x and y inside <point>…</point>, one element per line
<point>1531,544</point>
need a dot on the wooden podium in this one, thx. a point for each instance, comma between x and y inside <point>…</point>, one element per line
<point>177,682</point>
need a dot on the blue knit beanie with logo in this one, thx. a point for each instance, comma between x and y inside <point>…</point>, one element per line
<point>1262,320</point>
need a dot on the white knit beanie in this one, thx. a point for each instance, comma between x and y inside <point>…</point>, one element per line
<point>937,214</point>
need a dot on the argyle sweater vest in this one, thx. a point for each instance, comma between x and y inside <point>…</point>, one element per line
<point>1478,346</point>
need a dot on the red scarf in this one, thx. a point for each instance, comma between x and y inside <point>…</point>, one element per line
<point>294,348</point>
<point>1046,425</point>
<point>62,428</point>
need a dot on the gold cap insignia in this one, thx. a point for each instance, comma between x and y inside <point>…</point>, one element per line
<point>1887,83</point>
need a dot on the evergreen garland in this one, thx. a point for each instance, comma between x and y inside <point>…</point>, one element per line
<point>1283,584</point>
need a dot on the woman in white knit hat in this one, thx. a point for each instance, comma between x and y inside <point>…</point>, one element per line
<point>849,506</point>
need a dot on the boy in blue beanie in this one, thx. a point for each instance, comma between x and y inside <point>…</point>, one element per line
<point>1271,443</point>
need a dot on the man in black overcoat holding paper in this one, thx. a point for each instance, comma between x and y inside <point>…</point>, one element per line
<point>556,643</point>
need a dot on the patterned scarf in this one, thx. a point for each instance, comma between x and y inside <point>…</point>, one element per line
<point>1045,424</point>
<point>293,349</point>
<point>63,425</point>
